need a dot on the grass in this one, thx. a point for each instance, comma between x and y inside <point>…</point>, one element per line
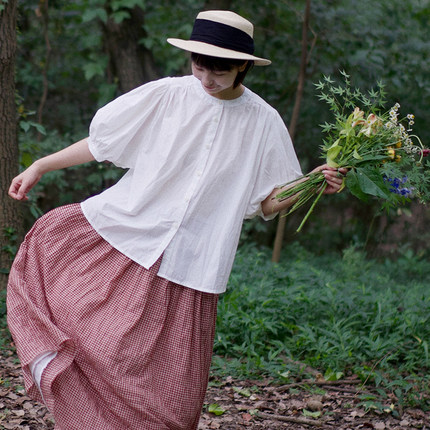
<point>340,314</point>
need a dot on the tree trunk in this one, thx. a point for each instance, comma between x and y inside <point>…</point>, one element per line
<point>293,124</point>
<point>10,221</point>
<point>131,62</point>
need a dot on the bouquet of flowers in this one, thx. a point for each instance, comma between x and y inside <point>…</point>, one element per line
<point>384,159</point>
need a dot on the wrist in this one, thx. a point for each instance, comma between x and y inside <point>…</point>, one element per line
<point>40,166</point>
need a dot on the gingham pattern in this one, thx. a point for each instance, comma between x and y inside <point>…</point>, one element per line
<point>134,349</point>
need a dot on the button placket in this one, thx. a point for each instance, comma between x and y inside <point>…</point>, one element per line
<point>201,164</point>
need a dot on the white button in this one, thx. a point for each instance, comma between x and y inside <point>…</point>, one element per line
<point>208,147</point>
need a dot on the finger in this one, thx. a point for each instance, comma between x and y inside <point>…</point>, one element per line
<point>334,182</point>
<point>22,192</point>
<point>13,189</point>
<point>332,176</point>
<point>18,190</point>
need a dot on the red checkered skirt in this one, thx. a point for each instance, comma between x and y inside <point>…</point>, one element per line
<point>133,349</point>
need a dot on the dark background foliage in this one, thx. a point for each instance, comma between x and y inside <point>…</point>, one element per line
<point>66,69</point>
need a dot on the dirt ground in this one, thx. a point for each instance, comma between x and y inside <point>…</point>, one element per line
<point>232,404</point>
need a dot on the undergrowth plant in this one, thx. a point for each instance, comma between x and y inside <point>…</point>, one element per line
<point>4,333</point>
<point>339,314</point>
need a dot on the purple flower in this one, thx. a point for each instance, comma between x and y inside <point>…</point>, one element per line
<point>396,185</point>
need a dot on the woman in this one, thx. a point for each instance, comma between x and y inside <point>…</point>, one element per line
<point>112,302</point>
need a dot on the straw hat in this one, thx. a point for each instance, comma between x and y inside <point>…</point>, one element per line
<point>221,33</point>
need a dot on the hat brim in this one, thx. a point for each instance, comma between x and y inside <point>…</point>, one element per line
<point>215,51</point>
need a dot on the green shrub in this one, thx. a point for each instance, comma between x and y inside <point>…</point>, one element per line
<point>338,313</point>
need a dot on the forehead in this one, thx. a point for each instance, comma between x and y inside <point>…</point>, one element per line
<point>215,63</point>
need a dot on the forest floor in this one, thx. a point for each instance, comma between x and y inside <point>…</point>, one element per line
<point>231,404</point>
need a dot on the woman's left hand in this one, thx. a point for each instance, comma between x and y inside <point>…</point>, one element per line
<point>333,176</point>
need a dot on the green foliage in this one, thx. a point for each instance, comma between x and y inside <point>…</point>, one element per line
<point>348,314</point>
<point>3,4</point>
<point>159,25</point>
<point>380,41</point>
<point>11,242</point>
<point>63,186</point>
<point>4,332</point>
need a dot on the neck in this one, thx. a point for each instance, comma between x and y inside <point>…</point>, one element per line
<point>231,93</point>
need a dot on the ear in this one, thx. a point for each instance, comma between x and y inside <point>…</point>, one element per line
<point>243,66</point>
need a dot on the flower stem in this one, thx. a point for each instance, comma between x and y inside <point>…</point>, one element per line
<point>312,207</point>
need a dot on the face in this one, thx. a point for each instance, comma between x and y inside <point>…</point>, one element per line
<point>219,84</point>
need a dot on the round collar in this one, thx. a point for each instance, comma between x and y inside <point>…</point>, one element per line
<point>214,100</point>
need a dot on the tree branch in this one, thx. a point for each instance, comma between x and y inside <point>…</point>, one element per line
<point>293,124</point>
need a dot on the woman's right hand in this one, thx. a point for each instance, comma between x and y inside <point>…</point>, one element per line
<point>72,155</point>
<point>24,182</point>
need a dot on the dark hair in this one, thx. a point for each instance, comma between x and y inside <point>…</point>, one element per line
<point>222,65</point>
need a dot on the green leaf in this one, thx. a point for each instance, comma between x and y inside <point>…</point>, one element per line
<point>128,4</point>
<point>39,127</point>
<point>426,350</point>
<point>372,183</point>
<point>332,153</point>
<point>120,16</point>
<point>356,155</point>
<point>25,125</point>
<point>364,182</point>
<point>243,391</point>
<point>353,186</point>
<point>331,375</point>
<point>215,408</point>
<point>315,414</point>
<point>94,13</point>
<point>93,69</point>
<point>26,159</point>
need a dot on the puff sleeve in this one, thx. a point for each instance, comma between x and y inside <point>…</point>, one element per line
<point>278,165</point>
<point>117,131</point>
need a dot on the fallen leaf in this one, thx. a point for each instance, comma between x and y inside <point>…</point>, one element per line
<point>243,391</point>
<point>12,396</point>
<point>247,417</point>
<point>215,408</point>
<point>307,413</point>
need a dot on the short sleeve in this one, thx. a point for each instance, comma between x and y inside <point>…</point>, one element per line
<point>278,165</point>
<point>118,129</point>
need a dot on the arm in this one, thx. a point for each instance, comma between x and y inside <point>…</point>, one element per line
<point>271,205</point>
<point>77,153</point>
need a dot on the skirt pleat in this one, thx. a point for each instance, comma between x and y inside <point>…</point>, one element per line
<point>133,349</point>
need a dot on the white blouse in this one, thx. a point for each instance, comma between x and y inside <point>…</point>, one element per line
<point>197,166</point>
